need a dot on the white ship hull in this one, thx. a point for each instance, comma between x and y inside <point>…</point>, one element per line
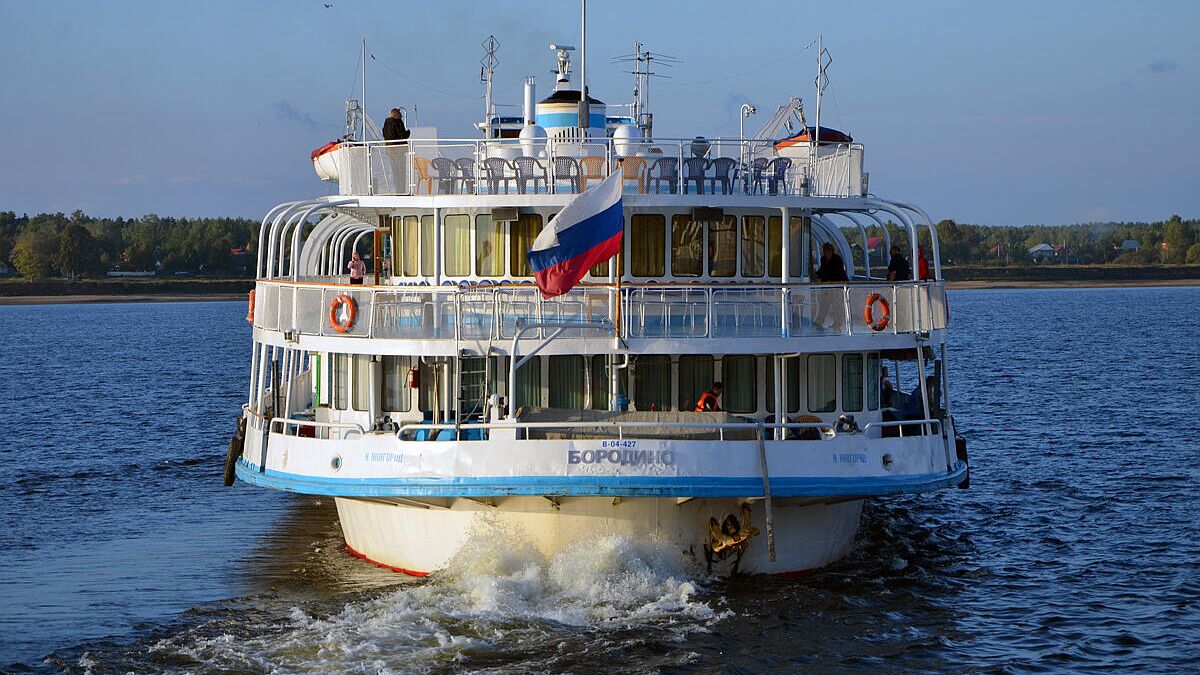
<point>417,538</point>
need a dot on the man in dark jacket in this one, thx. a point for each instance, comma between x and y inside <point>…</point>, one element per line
<point>395,133</point>
<point>829,301</point>
<point>393,128</point>
<point>899,269</point>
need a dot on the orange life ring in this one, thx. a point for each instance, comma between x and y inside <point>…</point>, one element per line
<point>250,308</point>
<point>345,322</point>
<point>869,315</point>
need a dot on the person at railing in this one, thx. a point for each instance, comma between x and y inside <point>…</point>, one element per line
<point>923,273</point>
<point>887,392</point>
<point>357,269</point>
<point>395,133</point>
<point>832,270</point>
<point>708,400</point>
<point>899,268</point>
<point>393,128</point>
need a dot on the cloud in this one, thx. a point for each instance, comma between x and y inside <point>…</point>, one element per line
<point>130,180</point>
<point>183,179</point>
<point>287,112</point>
<point>1162,66</point>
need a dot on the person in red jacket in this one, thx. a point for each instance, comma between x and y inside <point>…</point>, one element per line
<point>708,400</point>
<point>923,273</point>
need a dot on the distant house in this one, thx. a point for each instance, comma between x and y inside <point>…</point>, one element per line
<point>997,250</point>
<point>1129,245</point>
<point>1042,251</point>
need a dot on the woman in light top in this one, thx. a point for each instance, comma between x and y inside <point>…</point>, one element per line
<point>357,269</point>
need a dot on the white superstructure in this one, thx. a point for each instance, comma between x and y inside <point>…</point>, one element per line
<point>445,394</point>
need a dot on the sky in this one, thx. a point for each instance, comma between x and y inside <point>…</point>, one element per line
<point>1008,113</point>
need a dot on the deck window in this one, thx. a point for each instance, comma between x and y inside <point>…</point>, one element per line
<point>775,246</point>
<point>754,246</point>
<point>791,378</point>
<point>852,382</point>
<point>687,241</point>
<point>646,245</point>
<point>529,382</point>
<point>873,381</point>
<point>341,381</point>
<point>567,381</point>
<point>739,375</point>
<point>489,247</point>
<point>457,245</point>
<point>722,247</point>
<point>652,382</point>
<point>695,378</point>
<point>396,396</point>
<point>601,381</point>
<point>428,236</point>
<point>407,247</point>
<point>362,382</point>
<point>522,232</point>
<point>822,383</point>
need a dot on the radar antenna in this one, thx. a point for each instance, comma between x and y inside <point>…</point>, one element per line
<point>642,72</point>
<point>487,73</point>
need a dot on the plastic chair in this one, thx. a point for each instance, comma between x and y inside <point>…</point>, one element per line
<point>723,171</point>
<point>756,174</point>
<point>634,168</point>
<point>466,174</point>
<point>496,170</point>
<point>447,175</point>
<point>423,178</point>
<point>529,169</point>
<point>566,168</point>
<point>693,171</point>
<point>777,175</point>
<point>594,167</point>
<point>665,169</point>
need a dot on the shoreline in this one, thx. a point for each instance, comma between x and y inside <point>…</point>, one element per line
<point>84,298</point>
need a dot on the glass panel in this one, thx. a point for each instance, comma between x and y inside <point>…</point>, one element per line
<point>341,381</point>
<point>599,366</point>
<point>795,254</point>
<point>652,382</point>
<point>427,239</point>
<point>529,383</point>
<point>695,378</point>
<point>457,233</point>
<point>520,240</point>
<point>791,378</point>
<point>489,247</point>
<point>362,382</point>
<point>687,239</point>
<point>774,247</point>
<point>739,376</point>
<point>852,382</point>
<point>873,383</point>
<point>722,248</point>
<point>428,380</point>
<point>410,241</point>
<point>822,383</point>
<point>567,381</point>
<point>646,244</point>
<point>754,245</point>
<point>396,395</point>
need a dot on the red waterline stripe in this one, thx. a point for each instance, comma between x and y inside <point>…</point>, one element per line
<point>376,562</point>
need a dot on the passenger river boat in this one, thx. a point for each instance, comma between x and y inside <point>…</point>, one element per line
<point>448,394</point>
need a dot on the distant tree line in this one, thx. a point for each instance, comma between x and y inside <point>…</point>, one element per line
<point>78,245</point>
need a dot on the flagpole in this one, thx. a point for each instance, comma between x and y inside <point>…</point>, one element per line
<point>617,312</point>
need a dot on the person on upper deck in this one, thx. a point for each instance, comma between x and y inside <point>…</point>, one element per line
<point>923,273</point>
<point>357,268</point>
<point>898,269</point>
<point>708,400</point>
<point>393,128</point>
<point>832,268</point>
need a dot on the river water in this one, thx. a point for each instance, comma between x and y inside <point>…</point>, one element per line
<point>1076,547</point>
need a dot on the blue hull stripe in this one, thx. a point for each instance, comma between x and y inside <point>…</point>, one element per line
<point>600,486</point>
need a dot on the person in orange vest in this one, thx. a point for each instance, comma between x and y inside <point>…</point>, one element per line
<point>708,400</point>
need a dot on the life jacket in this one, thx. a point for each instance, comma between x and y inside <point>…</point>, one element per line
<point>701,405</point>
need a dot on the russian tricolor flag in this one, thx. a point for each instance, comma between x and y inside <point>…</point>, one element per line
<point>586,232</point>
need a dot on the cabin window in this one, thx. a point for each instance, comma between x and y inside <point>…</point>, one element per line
<point>754,244</point>
<point>489,247</point>
<point>396,396</point>
<point>362,382</point>
<point>457,245</point>
<point>407,244</point>
<point>341,381</point>
<point>652,382</point>
<point>722,247</point>
<point>791,379</point>
<point>739,375</point>
<point>852,382</point>
<point>567,381</point>
<point>873,381</point>
<point>529,382</point>
<point>522,232</point>
<point>695,378</point>
<point>822,383</point>
<point>428,374</point>
<point>775,247</point>
<point>687,240</point>
<point>428,236</point>
<point>646,248</point>
<point>601,380</point>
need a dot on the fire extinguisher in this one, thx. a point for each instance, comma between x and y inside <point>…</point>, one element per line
<point>414,379</point>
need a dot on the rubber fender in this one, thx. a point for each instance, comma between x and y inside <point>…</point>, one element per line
<point>237,443</point>
<point>960,449</point>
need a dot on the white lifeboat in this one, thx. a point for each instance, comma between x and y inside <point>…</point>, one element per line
<point>327,160</point>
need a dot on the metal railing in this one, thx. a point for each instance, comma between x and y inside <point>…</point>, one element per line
<point>646,311</point>
<point>489,167</point>
<point>607,429</point>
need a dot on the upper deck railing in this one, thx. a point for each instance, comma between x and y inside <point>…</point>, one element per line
<point>498,312</point>
<point>658,166</point>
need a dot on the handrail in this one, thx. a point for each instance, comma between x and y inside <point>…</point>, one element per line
<point>902,423</point>
<point>286,422</point>
<point>620,425</point>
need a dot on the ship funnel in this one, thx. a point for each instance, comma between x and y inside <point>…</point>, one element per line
<point>530,110</point>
